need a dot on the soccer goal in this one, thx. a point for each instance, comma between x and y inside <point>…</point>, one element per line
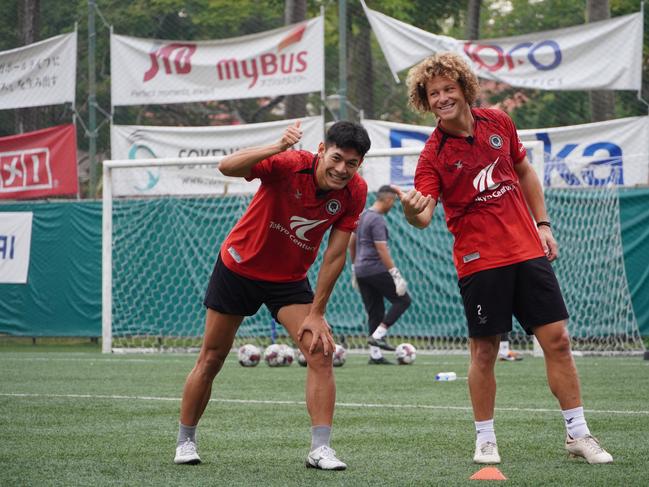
<point>164,221</point>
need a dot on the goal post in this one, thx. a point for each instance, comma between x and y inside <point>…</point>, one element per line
<point>159,250</point>
<point>108,195</point>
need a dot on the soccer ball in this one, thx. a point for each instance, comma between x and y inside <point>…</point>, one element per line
<point>277,355</point>
<point>272,355</point>
<point>287,354</point>
<point>249,355</point>
<point>406,353</point>
<point>301,359</point>
<point>340,356</point>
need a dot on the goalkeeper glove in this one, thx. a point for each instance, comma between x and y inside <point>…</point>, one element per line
<point>354,281</point>
<point>400,284</point>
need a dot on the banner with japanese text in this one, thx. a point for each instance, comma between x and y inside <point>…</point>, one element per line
<point>39,164</point>
<point>150,142</point>
<point>43,73</point>
<point>283,61</point>
<point>604,55</point>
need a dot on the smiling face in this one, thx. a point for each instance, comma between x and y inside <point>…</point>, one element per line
<point>446,99</point>
<point>336,166</point>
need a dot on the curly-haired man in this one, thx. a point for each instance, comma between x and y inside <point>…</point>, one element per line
<point>494,206</point>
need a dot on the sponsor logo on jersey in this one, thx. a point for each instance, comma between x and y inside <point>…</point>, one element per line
<point>302,225</point>
<point>332,207</point>
<point>484,179</point>
<point>495,141</point>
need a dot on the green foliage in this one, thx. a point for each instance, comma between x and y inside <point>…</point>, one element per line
<point>526,16</point>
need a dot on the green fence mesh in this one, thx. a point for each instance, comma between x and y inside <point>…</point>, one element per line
<point>164,250</point>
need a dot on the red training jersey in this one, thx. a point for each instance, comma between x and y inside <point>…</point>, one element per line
<point>278,237</point>
<point>484,205</point>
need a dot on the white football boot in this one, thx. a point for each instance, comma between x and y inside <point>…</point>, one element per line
<point>486,452</point>
<point>589,448</point>
<point>187,454</point>
<point>324,458</point>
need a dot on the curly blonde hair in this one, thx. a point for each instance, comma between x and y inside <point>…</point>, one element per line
<point>447,64</point>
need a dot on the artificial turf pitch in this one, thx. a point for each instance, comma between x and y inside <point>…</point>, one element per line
<point>72,416</point>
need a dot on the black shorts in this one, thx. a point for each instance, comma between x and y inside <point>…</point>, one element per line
<point>233,294</point>
<point>528,290</point>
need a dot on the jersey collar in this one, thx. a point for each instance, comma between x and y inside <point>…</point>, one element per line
<point>319,193</point>
<point>447,135</point>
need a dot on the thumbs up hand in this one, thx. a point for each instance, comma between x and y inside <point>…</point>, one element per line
<point>291,136</point>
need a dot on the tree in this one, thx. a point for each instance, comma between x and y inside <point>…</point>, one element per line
<point>473,20</point>
<point>602,103</point>
<point>359,61</point>
<point>29,14</point>
<point>295,11</point>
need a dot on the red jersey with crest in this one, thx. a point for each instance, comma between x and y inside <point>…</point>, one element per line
<point>484,205</point>
<point>278,237</point>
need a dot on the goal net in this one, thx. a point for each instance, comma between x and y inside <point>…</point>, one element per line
<point>159,251</point>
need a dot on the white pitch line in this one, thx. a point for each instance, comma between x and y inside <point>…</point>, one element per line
<point>302,403</point>
<point>93,359</point>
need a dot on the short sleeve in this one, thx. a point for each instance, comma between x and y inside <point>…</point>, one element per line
<point>278,166</point>
<point>426,177</point>
<point>517,150</point>
<point>349,221</point>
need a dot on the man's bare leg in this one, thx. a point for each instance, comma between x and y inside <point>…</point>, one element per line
<point>220,330</point>
<point>482,388</point>
<point>320,390</point>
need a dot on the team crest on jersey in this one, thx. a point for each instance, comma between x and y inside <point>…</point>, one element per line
<point>332,207</point>
<point>495,141</point>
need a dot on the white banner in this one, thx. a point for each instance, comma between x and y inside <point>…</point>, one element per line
<point>283,61</point>
<point>605,55</point>
<point>43,73</point>
<point>146,142</point>
<point>15,244</point>
<point>594,154</point>
<point>399,170</point>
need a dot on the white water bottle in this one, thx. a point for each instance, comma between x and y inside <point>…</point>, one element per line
<point>445,376</point>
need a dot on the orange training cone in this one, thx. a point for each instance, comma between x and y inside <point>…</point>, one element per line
<point>488,473</point>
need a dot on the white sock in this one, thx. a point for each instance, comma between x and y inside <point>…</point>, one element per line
<point>186,433</point>
<point>375,352</point>
<point>485,432</point>
<point>320,435</point>
<point>504,348</point>
<point>575,422</point>
<point>380,332</point>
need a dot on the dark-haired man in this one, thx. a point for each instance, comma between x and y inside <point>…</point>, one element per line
<point>376,275</point>
<point>264,260</point>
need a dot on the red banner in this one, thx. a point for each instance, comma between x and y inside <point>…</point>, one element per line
<point>39,164</point>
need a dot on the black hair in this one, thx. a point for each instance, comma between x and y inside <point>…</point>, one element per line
<point>348,135</point>
<point>386,190</point>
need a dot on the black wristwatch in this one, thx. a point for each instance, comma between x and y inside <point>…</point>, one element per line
<point>543,223</point>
